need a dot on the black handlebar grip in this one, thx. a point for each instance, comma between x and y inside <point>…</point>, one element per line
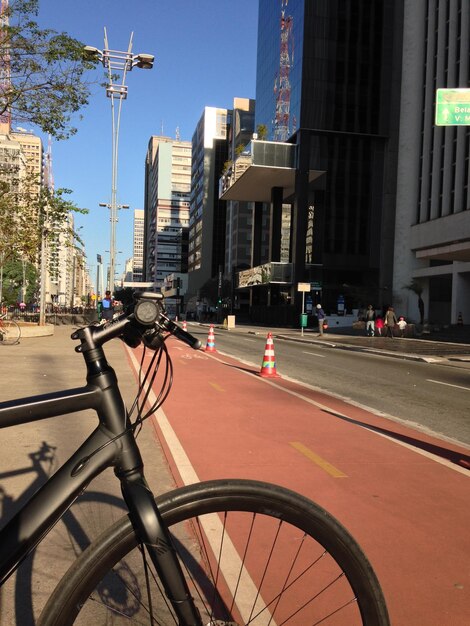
<point>183,335</point>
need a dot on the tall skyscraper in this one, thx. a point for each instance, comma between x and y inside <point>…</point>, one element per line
<point>138,246</point>
<point>206,252</point>
<point>432,232</point>
<point>13,162</point>
<point>32,148</point>
<point>167,193</point>
<point>328,108</point>
<point>239,214</point>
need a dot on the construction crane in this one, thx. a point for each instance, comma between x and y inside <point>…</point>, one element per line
<point>282,87</point>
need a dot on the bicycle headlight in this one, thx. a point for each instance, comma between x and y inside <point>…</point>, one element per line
<point>146,312</point>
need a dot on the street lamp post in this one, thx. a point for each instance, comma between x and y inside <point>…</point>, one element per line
<point>110,280</point>
<point>99,270</point>
<point>113,219</point>
<point>117,64</point>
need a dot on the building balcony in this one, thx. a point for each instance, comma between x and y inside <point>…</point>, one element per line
<point>260,167</point>
<point>266,274</point>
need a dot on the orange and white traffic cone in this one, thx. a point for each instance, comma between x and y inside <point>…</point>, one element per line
<point>210,345</point>
<point>185,327</point>
<point>268,368</point>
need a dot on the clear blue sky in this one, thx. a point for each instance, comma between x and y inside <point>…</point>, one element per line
<point>205,55</point>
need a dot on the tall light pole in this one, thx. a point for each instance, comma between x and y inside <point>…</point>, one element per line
<point>99,270</point>
<point>114,209</point>
<point>117,64</point>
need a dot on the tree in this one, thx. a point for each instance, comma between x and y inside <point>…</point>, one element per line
<point>262,131</point>
<point>30,213</point>
<point>44,71</point>
<point>16,275</point>
<point>417,288</point>
<point>27,216</point>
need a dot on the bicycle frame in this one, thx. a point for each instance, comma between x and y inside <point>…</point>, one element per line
<point>111,444</point>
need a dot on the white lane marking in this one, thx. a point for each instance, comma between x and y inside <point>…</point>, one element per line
<point>232,567</point>
<point>322,356</point>
<point>439,382</point>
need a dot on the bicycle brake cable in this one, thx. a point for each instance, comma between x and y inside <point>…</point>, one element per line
<point>147,381</point>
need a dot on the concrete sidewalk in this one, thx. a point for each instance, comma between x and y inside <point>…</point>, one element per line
<point>418,349</point>
<point>31,452</point>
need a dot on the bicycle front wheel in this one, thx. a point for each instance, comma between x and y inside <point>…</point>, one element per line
<point>253,553</point>
<point>9,333</point>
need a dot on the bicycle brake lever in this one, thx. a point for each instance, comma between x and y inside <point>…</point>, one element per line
<point>179,333</point>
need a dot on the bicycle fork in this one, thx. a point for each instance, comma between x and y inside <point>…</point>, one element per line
<point>152,532</point>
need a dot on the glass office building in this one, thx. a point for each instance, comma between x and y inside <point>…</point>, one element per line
<point>328,75</point>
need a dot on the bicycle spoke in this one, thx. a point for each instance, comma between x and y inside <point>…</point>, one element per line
<point>255,566</point>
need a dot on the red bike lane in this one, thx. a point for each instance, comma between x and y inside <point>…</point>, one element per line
<point>401,493</point>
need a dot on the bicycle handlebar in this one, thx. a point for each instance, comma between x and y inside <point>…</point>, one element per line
<point>182,335</point>
<point>146,321</point>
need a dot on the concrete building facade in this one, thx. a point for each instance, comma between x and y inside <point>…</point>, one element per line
<point>13,162</point>
<point>166,208</point>
<point>138,246</point>
<point>206,248</point>
<point>432,225</point>
<point>239,214</point>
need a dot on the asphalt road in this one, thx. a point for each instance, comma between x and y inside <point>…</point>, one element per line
<point>431,396</point>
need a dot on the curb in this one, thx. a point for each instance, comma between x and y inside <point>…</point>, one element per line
<point>34,330</point>
<point>406,356</point>
<point>395,355</point>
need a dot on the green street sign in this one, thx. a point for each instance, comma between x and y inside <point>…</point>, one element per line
<point>453,107</point>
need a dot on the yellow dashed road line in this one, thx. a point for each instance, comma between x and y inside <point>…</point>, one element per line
<point>216,387</point>
<point>324,465</point>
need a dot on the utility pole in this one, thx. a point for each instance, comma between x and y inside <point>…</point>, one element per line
<point>98,268</point>
<point>43,274</point>
<point>72,295</point>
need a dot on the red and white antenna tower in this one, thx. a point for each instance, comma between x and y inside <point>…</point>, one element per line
<point>48,173</point>
<point>5,72</point>
<point>282,117</point>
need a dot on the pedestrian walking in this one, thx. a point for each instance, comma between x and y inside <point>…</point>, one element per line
<point>321,318</point>
<point>390,322</point>
<point>402,326</point>
<point>106,310</point>
<point>370,321</point>
<point>379,326</point>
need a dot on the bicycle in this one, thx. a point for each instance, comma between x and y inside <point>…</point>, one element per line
<point>10,331</point>
<point>218,553</point>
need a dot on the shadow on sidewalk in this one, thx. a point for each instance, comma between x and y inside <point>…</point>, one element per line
<point>43,463</point>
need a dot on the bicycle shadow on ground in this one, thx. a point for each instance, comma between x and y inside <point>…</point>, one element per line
<point>116,586</point>
<point>43,463</point>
